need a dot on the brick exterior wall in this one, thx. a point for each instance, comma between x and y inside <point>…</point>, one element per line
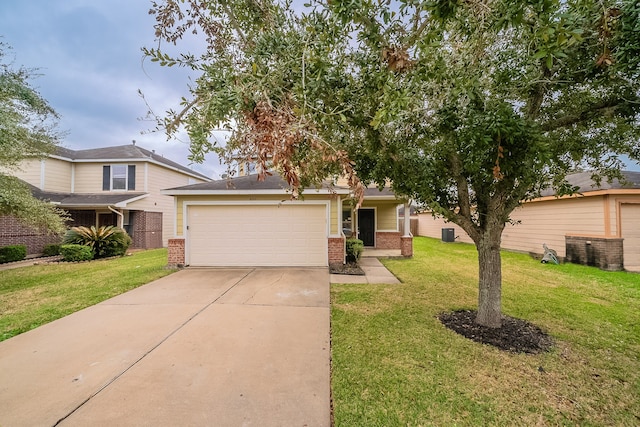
<point>146,229</point>
<point>388,240</point>
<point>606,254</point>
<point>12,232</point>
<point>406,248</point>
<point>336,250</point>
<point>176,256</point>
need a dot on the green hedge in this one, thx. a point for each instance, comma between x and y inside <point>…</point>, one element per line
<point>76,253</point>
<point>51,250</point>
<point>12,253</point>
<point>354,248</point>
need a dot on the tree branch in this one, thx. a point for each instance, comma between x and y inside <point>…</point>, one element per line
<point>539,91</point>
<point>463,216</point>
<point>603,108</point>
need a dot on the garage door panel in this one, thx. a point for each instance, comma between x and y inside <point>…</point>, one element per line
<point>262,235</point>
<point>630,227</point>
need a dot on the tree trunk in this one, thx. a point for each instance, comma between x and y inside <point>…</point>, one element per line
<point>490,281</point>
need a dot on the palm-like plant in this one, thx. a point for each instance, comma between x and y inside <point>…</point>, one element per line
<point>104,241</point>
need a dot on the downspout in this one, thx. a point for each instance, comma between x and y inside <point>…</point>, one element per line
<point>120,214</point>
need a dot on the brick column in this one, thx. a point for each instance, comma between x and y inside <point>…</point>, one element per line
<point>406,243</point>
<point>176,253</point>
<point>336,250</point>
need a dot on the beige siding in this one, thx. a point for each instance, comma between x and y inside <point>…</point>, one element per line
<point>334,215</point>
<point>158,178</point>
<point>550,221</point>
<point>88,178</point>
<point>57,175</point>
<point>539,222</point>
<point>29,171</point>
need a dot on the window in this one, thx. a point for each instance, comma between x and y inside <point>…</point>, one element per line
<point>118,177</point>
<point>347,224</point>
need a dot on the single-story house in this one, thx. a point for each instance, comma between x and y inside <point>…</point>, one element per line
<point>597,226</point>
<point>247,222</point>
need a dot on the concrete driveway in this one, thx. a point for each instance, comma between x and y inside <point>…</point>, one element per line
<point>201,347</point>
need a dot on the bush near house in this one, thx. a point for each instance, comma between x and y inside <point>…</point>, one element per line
<point>104,241</point>
<point>12,253</point>
<point>74,253</point>
<point>51,250</point>
<point>354,248</point>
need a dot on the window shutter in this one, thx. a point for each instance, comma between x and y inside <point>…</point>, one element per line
<point>106,178</point>
<point>131,181</point>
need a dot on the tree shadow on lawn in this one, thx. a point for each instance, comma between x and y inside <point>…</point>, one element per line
<point>515,335</point>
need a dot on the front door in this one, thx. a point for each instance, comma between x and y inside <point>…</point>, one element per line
<point>367,226</point>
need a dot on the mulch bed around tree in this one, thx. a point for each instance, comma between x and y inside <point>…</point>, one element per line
<point>348,268</point>
<point>515,335</point>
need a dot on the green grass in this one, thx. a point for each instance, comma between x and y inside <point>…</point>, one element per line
<point>35,295</point>
<point>394,364</point>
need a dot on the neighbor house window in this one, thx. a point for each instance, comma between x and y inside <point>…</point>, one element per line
<point>119,177</point>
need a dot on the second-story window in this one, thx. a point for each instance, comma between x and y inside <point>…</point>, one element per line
<point>118,177</point>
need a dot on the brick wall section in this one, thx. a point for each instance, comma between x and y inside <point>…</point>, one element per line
<point>336,250</point>
<point>406,246</point>
<point>606,254</point>
<point>12,232</point>
<point>176,253</point>
<point>146,229</point>
<point>388,240</point>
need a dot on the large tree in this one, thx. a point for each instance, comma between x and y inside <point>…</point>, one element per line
<point>27,130</point>
<point>469,107</point>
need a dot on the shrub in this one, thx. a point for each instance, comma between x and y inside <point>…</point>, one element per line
<point>354,249</point>
<point>76,252</point>
<point>104,241</point>
<point>12,253</point>
<point>51,250</point>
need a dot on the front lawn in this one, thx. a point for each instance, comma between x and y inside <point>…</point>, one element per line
<point>35,295</point>
<point>395,364</point>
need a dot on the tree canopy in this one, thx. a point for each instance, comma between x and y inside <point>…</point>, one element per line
<point>27,130</point>
<point>468,107</point>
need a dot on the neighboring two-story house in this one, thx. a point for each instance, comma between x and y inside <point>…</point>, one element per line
<point>105,186</point>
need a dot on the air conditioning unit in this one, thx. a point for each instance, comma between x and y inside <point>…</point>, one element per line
<point>448,235</point>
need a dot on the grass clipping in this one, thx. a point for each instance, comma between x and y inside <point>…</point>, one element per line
<point>515,335</point>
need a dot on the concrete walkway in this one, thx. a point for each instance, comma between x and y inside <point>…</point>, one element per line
<point>201,347</point>
<point>374,272</point>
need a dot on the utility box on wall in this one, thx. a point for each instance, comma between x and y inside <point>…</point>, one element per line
<point>448,235</point>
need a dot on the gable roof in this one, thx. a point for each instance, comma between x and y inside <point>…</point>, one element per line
<point>272,184</point>
<point>585,184</point>
<point>120,153</point>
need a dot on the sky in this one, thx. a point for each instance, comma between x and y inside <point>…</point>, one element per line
<point>88,54</point>
<point>90,68</point>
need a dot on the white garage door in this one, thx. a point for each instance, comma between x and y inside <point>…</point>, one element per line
<point>257,235</point>
<point>630,227</point>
